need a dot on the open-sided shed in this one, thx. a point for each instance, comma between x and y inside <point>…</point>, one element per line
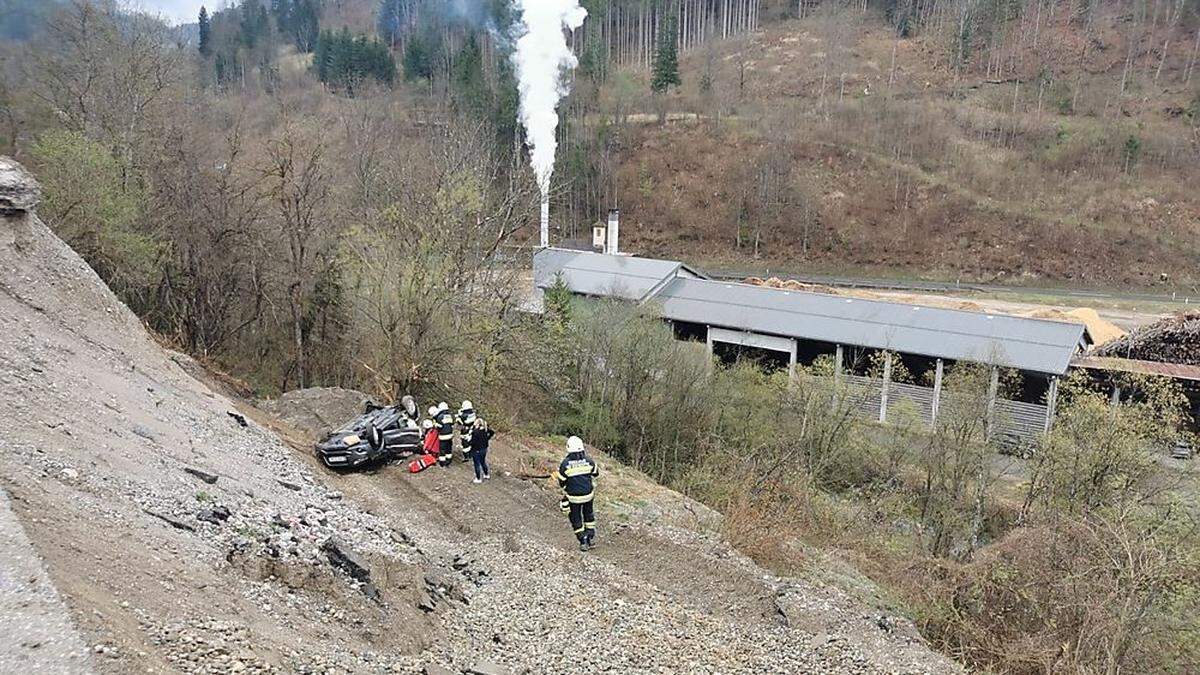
<point>790,323</point>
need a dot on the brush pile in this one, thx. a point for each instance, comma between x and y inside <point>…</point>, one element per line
<point>1172,340</point>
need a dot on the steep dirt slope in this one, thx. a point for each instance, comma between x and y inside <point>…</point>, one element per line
<point>184,538</point>
<point>100,430</point>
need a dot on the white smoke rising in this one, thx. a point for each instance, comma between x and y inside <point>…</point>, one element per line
<point>540,57</point>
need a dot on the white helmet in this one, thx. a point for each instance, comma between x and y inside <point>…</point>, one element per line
<point>574,444</point>
<point>427,424</point>
<point>443,406</point>
<point>433,411</point>
<point>466,405</point>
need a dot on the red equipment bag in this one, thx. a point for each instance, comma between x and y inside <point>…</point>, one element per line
<point>431,442</point>
<point>421,463</point>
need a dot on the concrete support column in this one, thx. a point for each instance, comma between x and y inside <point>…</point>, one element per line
<point>937,393</point>
<point>1115,399</point>
<point>887,380</point>
<point>837,365</point>
<point>792,361</point>
<point>993,389</point>
<point>709,339</point>
<point>1051,402</point>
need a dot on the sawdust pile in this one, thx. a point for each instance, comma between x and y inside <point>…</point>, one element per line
<point>791,285</point>
<point>1102,330</point>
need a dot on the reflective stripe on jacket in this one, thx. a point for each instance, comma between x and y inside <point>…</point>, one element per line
<point>576,475</point>
<point>445,425</point>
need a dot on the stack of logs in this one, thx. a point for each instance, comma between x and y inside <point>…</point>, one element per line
<point>1172,340</point>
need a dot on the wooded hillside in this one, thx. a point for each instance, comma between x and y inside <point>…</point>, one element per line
<point>1028,141</point>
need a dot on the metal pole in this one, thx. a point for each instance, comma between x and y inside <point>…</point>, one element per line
<point>887,378</point>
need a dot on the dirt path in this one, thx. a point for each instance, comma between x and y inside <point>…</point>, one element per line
<point>505,506</point>
<point>36,628</point>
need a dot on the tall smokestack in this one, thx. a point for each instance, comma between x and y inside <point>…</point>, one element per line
<point>541,58</point>
<point>614,224</point>
<point>545,221</point>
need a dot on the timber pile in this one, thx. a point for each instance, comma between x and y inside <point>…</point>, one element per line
<point>1172,340</point>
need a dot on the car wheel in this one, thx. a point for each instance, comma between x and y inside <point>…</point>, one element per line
<point>374,437</point>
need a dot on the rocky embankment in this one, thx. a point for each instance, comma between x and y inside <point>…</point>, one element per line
<point>178,533</point>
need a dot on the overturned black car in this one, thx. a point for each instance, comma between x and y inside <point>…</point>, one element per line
<point>380,433</point>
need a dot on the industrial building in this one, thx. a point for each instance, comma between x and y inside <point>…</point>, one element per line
<point>786,328</point>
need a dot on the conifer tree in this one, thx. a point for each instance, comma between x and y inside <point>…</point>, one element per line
<point>205,32</point>
<point>418,59</point>
<point>665,70</point>
<point>471,91</point>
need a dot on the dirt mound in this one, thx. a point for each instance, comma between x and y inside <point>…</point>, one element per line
<point>316,410</point>
<point>1175,339</point>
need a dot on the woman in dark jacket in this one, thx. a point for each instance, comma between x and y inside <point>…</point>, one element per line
<point>481,435</point>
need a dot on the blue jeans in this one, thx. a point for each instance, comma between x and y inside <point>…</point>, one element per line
<point>479,458</point>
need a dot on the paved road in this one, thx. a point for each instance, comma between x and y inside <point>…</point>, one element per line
<point>36,632</point>
<point>1181,298</point>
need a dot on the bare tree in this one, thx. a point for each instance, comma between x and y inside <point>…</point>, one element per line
<point>107,74</point>
<point>296,178</point>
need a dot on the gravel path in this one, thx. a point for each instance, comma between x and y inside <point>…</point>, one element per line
<point>36,631</point>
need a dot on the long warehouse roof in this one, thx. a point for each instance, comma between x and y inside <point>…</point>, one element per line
<point>587,273</point>
<point>1029,344</point>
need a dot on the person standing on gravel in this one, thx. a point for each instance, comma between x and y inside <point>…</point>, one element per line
<point>481,438</point>
<point>576,476</point>
<point>466,425</point>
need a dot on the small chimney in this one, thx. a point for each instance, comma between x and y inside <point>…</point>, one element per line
<point>614,224</point>
<point>545,221</point>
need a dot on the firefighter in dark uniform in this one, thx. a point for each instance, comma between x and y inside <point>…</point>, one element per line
<point>443,419</point>
<point>576,476</point>
<point>466,424</point>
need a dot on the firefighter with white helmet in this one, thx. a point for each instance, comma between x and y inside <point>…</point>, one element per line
<point>466,424</point>
<point>443,419</point>
<point>576,476</point>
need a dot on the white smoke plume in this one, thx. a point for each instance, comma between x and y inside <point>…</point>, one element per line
<point>540,57</point>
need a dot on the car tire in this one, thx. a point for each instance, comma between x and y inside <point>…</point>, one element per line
<point>374,437</point>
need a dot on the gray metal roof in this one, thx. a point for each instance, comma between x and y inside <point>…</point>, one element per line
<point>1029,344</point>
<point>597,274</point>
